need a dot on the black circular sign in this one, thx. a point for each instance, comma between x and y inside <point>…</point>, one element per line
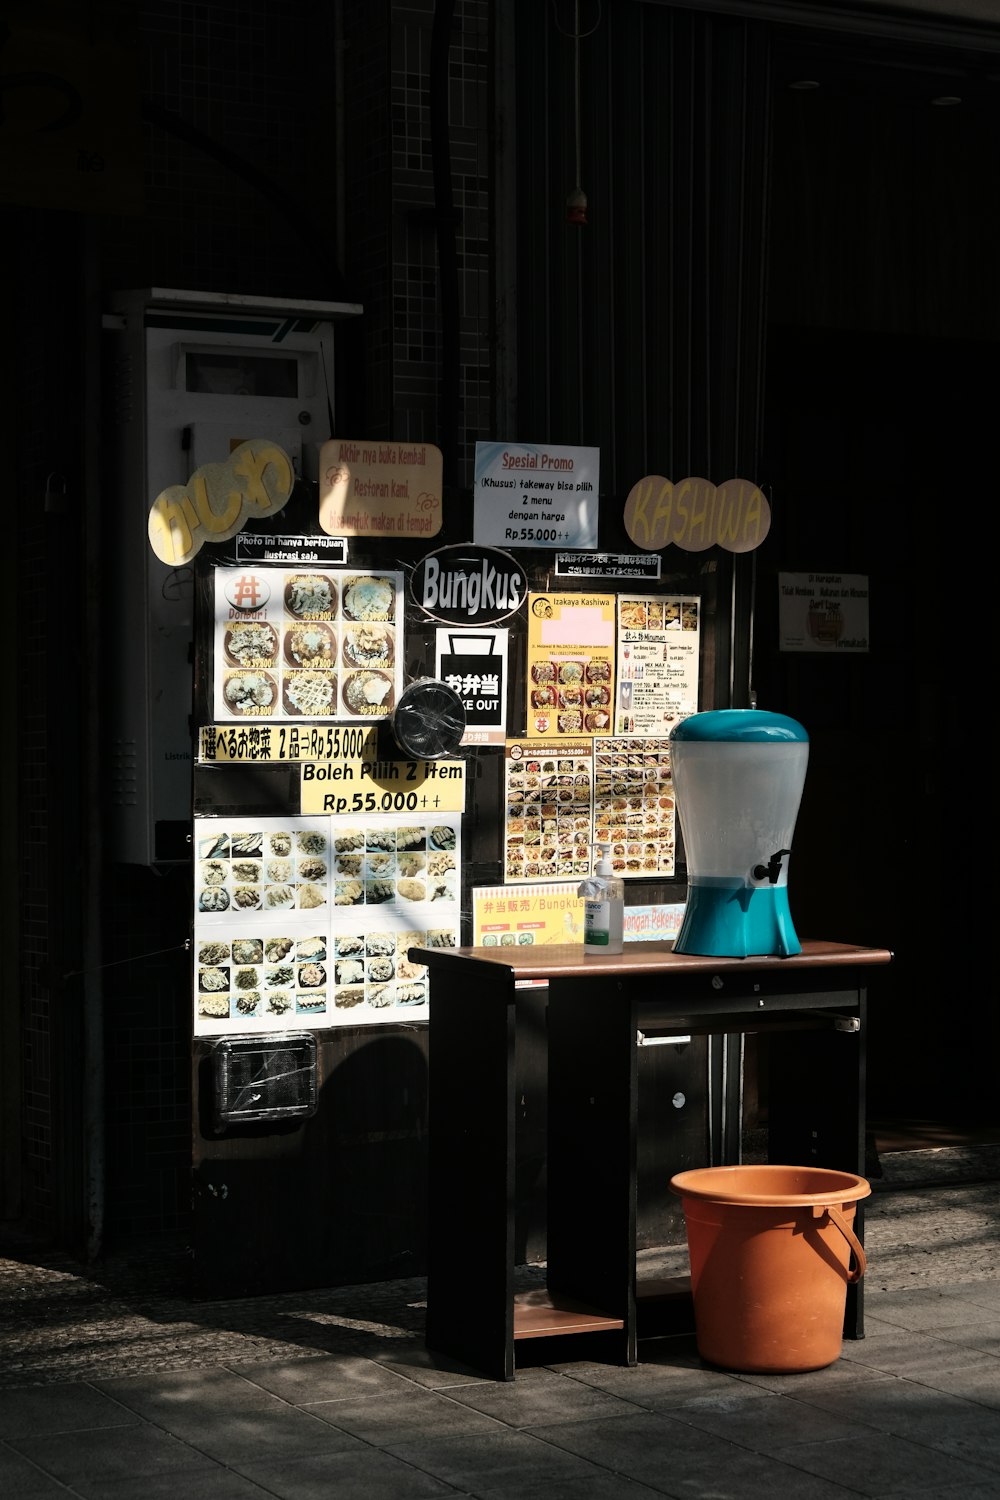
<point>468,585</point>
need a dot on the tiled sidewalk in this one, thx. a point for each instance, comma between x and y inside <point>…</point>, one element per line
<point>332,1393</point>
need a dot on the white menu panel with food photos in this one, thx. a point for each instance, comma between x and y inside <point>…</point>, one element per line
<point>307,643</point>
<point>308,921</point>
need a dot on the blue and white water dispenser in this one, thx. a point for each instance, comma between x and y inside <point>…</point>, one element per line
<point>738,779</point>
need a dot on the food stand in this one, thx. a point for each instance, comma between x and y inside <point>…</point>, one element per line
<point>338,841</point>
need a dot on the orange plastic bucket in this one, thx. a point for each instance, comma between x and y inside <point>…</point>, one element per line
<point>771,1250</point>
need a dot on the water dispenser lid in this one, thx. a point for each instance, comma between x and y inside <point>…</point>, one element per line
<point>740,725</point>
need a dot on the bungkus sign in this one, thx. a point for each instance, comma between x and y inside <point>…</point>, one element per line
<point>468,585</point>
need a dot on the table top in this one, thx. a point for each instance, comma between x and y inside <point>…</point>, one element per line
<point>568,960</point>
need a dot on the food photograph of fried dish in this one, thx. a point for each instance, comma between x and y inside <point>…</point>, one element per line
<point>312,646</point>
<point>311,695</point>
<point>368,694</point>
<point>633,616</point>
<point>369,598</point>
<point>368,645</point>
<point>254,694</point>
<point>253,643</point>
<point>310,596</point>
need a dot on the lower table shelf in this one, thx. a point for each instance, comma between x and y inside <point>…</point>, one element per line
<point>538,1315</point>
<point>663,1304</point>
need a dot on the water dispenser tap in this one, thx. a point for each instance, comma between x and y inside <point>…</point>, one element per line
<point>772,870</point>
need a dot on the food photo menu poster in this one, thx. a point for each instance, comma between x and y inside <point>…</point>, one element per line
<point>571,664</point>
<point>549,813</point>
<point>560,801</point>
<point>658,646</point>
<point>634,806</point>
<point>307,644</point>
<point>308,921</point>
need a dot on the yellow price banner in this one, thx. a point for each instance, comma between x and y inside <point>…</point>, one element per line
<point>383,786</point>
<point>256,742</point>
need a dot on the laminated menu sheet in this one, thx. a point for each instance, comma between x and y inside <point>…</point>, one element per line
<point>308,921</point>
<point>658,650</point>
<point>307,643</point>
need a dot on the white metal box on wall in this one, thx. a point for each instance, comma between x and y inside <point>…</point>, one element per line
<point>194,374</point>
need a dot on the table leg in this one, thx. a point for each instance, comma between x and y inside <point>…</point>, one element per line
<point>470,1250</point>
<point>592,1150</point>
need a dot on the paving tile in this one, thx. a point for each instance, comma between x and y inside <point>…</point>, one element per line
<point>335,1377</point>
<point>541,1396</point>
<point>161,1395</point>
<point>975,1436</point>
<point>594,1485</point>
<point>262,1432</point>
<point>211,1482</point>
<point>842,1373</point>
<point>20,1479</point>
<point>58,1408</point>
<point>918,1356</point>
<point>361,1474</point>
<point>979,1383</point>
<point>667,1454</point>
<point>904,1407</point>
<point>80,1458</point>
<point>428,1368</point>
<point>928,1310</point>
<point>389,1420</point>
<point>657,1384</point>
<point>986,1491</point>
<point>507,1463</point>
<point>983,1294</point>
<point>875,1322</point>
<point>885,1465</point>
<point>763,1422</point>
<point>982,1335</point>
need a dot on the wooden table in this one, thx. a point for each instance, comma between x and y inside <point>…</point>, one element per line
<point>814,1004</point>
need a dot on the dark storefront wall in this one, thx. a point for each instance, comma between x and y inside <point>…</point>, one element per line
<point>882,351</point>
<point>846,232</point>
<point>643,333</point>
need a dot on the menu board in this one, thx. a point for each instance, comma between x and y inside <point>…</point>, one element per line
<point>560,802</point>
<point>571,658</point>
<point>634,806</point>
<point>307,644</point>
<point>658,648</point>
<point>308,921</point>
<point>549,811</point>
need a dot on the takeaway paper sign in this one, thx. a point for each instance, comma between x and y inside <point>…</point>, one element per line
<point>535,495</point>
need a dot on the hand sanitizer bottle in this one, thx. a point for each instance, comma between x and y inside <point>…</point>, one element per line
<point>604,907</point>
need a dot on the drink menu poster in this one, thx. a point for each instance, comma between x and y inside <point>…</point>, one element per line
<point>658,646</point>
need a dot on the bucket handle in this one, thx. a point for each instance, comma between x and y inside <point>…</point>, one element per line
<point>856,1272</point>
